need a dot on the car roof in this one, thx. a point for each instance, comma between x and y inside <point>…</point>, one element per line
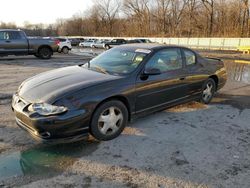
<point>151,46</point>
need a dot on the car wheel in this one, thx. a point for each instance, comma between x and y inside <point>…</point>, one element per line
<point>65,50</point>
<point>93,46</point>
<point>109,120</point>
<point>45,53</point>
<point>208,91</point>
<point>36,55</point>
<point>107,47</point>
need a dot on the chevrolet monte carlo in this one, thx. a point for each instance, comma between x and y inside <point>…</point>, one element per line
<point>100,97</point>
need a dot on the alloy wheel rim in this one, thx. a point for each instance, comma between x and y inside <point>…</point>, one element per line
<point>65,50</point>
<point>110,121</point>
<point>207,92</point>
<point>45,53</point>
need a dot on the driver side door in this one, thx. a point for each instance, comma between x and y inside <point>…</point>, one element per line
<point>166,88</point>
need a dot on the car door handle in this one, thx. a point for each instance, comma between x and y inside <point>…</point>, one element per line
<point>182,78</point>
<point>8,41</point>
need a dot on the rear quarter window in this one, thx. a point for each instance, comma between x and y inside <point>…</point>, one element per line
<point>190,57</point>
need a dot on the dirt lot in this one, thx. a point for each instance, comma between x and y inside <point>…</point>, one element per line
<point>192,145</point>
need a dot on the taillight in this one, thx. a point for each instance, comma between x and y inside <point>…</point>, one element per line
<point>57,42</point>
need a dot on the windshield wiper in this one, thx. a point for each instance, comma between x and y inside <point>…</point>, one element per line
<point>100,69</point>
<point>88,62</point>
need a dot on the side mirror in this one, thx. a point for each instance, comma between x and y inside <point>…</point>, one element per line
<point>152,71</point>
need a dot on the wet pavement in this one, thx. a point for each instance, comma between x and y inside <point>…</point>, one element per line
<point>238,70</point>
<point>44,161</point>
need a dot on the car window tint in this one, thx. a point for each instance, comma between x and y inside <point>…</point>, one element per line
<point>62,40</point>
<point>4,35</point>
<point>190,57</point>
<point>166,60</point>
<point>14,35</point>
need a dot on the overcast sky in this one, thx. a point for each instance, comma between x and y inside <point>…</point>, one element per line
<point>40,11</point>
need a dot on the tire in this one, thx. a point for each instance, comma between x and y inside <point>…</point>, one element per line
<point>45,53</point>
<point>93,46</point>
<point>109,120</point>
<point>36,55</point>
<point>208,91</point>
<point>107,47</point>
<point>65,50</point>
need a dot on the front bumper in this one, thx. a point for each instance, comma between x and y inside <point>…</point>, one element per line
<point>71,126</point>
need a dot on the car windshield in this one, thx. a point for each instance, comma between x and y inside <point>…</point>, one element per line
<point>117,61</point>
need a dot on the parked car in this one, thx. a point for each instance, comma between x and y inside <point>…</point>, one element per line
<point>123,83</point>
<point>144,40</point>
<point>15,42</point>
<point>100,43</point>
<point>64,45</point>
<point>76,41</point>
<point>114,42</point>
<point>139,41</point>
<point>87,43</point>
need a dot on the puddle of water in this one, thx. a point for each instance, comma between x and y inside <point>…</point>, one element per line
<point>44,161</point>
<point>238,70</point>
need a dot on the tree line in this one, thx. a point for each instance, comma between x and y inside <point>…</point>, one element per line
<point>153,18</point>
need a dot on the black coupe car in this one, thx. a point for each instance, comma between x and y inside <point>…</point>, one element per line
<point>101,96</point>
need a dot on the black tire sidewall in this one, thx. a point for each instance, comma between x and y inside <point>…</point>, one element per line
<point>37,56</point>
<point>210,80</point>
<point>66,49</point>
<point>107,47</point>
<point>41,53</point>
<point>94,130</point>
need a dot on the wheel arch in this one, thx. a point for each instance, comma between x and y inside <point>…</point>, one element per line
<point>216,80</point>
<point>65,47</point>
<point>44,46</point>
<point>120,98</point>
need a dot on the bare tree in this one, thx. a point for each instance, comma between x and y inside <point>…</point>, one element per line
<point>139,11</point>
<point>108,11</point>
<point>209,5</point>
<point>191,8</point>
<point>173,18</point>
<point>162,15</point>
<point>177,10</point>
<point>245,17</point>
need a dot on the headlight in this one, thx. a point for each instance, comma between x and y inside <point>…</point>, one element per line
<point>46,109</point>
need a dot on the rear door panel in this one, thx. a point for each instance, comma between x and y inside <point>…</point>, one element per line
<point>195,73</point>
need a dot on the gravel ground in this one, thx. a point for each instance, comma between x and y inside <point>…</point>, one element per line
<point>191,145</point>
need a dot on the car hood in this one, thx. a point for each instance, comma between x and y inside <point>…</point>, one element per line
<point>52,85</point>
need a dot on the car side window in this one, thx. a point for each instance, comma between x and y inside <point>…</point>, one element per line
<point>4,35</point>
<point>166,60</point>
<point>62,40</point>
<point>190,57</point>
<point>14,35</point>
